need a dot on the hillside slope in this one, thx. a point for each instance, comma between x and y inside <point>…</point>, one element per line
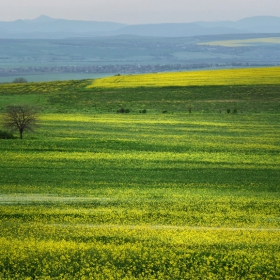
<point>46,27</point>
<point>196,92</point>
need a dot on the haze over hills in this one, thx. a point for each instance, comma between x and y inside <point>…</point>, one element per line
<point>46,27</point>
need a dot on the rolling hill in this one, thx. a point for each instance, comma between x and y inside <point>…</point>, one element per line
<point>46,27</point>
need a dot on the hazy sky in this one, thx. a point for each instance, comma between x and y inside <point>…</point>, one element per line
<point>139,11</point>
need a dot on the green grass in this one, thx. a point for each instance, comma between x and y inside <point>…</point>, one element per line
<point>99,195</point>
<point>50,77</point>
<point>142,197</point>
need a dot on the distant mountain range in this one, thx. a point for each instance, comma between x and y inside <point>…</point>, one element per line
<point>46,27</point>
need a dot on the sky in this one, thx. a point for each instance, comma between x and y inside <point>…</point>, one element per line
<point>139,11</point>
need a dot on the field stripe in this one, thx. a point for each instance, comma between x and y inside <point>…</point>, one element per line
<point>166,227</point>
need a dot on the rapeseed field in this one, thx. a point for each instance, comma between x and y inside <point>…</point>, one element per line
<point>245,76</point>
<point>133,197</point>
<point>93,194</point>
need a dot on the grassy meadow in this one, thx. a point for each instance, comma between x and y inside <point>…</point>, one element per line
<point>184,194</point>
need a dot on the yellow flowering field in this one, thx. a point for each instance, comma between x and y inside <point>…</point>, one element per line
<point>225,77</point>
<point>159,196</point>
<point>248,90</point>
<point>243,42</point>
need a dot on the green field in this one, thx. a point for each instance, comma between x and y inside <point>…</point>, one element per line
<point>93,194</point>
<point>49,77</point>
<point>244,42</point>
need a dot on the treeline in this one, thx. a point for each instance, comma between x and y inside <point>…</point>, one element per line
<point>123,68</point>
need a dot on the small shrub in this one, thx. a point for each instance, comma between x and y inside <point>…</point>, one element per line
<point>6,135</point>
<point>122,110</point>
<point>164,112</point>
<point>19,80</point>
<point>235,111</point>
<point>228,111</point>
<point>143,111</point>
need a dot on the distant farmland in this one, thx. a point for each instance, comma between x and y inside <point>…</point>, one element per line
<point>244,42</point>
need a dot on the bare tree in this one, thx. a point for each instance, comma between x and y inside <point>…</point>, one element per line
<point>20,118</point>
